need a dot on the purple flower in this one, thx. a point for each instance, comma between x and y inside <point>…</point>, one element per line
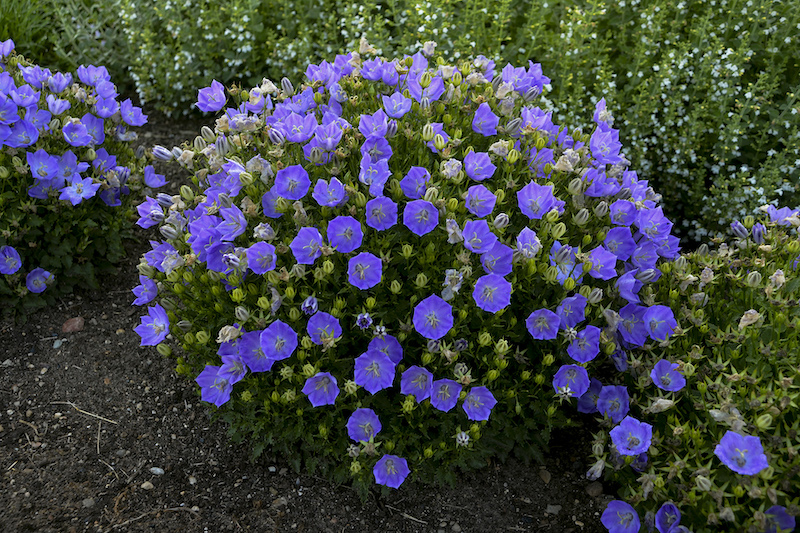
<point>374,371</point>
<point>310,305</point>
<point>131,114</point>
<point>268,202</point>
<point>742,454</point>
<point>154,327</point>
<point>307,245</point>
<point>603,264</point>
<point>150,213</point>
<point>571,378</point>
<point>666,377</point>
<point>329,194</point>
<point>376,148</point>
<point>390,470</point>
<point>388,345</point>
<point>321,389</point>
<point>8,111</point>
<point>620,517</point>
<point>778,520</point>
<point>758,233</point>
<point>364,321</point>
<point>261,257</point>
<point>396,105</point>
<point>498,260</point>
<point>374,174</point>
<point>278,341</point>
<point>93,75</point>
<point>414,183</point>
<point>631,437</point>
<point>571,311</point>
<point>528,244</point>
<point>485,122</point>
<point>153,180</point>
<point>145,292</point>
<point>587,403</point>
<point>364,271</point>
<point>479,403</point>
<point>251,352</point>
<point>623,212</point>
<point>543,324</point>
<point>43,166</point>
<point>478,237</point>
<point>292,182</point>
<point>363,425</point>
<point>444,394</point>
<point>535,200</point>
<point>76,134</point>
<point>104,107</point>
<point>478,166</point>
<point>344,234</point>
<point>215,386</point>
<point>605,146</point>
<point>492,293</point>
<point>632,327</point>
<point>417,381</point>
<point>586,345</point>
<point>94,126</point>
<point>421,217</point>
<point>614,402</point>
<point>629,286</point>
<point>10,261</point>
<point>667,517</point>
<point>375,125</point>
<point>659,322</point>
<point>6,47</point>
<point>480,201</point>
<point>433,317</point>
<point>79,190</point>
<point>322,326</point>
<point>381,213</point>
<point>211,99</point>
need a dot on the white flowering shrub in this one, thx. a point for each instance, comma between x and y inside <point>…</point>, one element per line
<point>399,267</point>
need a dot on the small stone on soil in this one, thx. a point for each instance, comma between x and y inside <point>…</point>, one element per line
<point>545,475</point>
<point>88,502</point>
<point>73,325</point>
<point>156,471</point>
<point>553,509</point>
<point>147,485</point>
<point>594,489</point>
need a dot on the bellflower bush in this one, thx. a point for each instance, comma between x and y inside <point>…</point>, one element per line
<point>66,173</point>
<point>398,267</point>
<point>709,440</point>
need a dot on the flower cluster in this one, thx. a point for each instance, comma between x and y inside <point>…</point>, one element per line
<point>409,237</point>
<point>64,154</point>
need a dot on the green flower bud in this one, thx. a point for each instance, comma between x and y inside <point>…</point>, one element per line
<point>703,483</point>
<point>241,314</point>
<point>551,274</point>
<point>407,251</point>
<point>513,156</point>
<point>237,295</point>
<point>764,421</point>
<point>501,347</point>
<point>552,216</point>
<point>164,350</point>
<point>263,303</point>
<point>427,133</point>
<point>493,374</point>
<point>753,279</point>
<point>306,342</point>
<point>548,360</point>
<point>395,287</point>
<point>569,284</point>
<point>289,396</point>
<point>427,357</point>
<point>409,404</point>
<point>421,281</point>
<point>4,173</point>
<point>339,303</point>
<point>558,230</point>
<point>431,195</point>
<point>484,339</point>
<point>294,314</point>
<point>309,370</point>
<point>438,142</point>
<point>793,247</point>
<point>370,303</point>
<point>327,266</point>
<point>146,270</point>
<point>428,453</point>
<point>361,200</point>
<point>452,204</point>
<point>355,466</point>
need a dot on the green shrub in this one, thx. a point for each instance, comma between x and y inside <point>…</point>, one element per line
<point>66,177</point>
<point>738,352</point>
<point>242,262</point>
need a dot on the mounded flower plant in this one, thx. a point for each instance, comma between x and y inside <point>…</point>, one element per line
<point>400,266</point>
<point>66,173</point>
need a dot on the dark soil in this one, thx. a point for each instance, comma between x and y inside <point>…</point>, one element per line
<point>100,434</point>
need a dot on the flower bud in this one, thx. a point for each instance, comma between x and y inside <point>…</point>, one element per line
<point>551,274</point>
<point>513,156</point>
<point>484,339</point>
<point>203,337</point>
<point>222,145</point>
<point>581,217</point>
<point>703,483</point>
<point>431,195</point>
<point>263,303</point>
<point>370,303</point>
<point>558,230</point>
<point>492,375</point>
<point>245,178</point>
<point>764,421</point>
<point>501,221</point>
<point>646,276</point>
<point>421,281</point>
<point>753,279</point>
<point>552,216</point>
<point>161,153</point>
<point>186,193</point>
<point>294,314</point>
<point>286,85</point>
<point>595,296</point>
<point>541,142</point>
<point>427,133</point>
<point>4,173</point>
<point>169,232</point>
<point>793,246</point>
<point>601,209</point>
<point>361,199</point>
<point>199,144</point>
<point>548,360</point>
<point>164,350</point>
<point>539,379</point>
<point>569,284</point>
<point>739,230</point>
<point>276,137</point>
<point>439,142</point>
<point>391,129</point>
<point>241,314</point>
<point>531,94</point>
<point>501,347</point>
<point>513,125</point>
<point>146,270</point>
<point>306,342</point>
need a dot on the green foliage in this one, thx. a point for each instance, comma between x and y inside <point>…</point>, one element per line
<point>738,348</point>
<point>79,243</point>
<point>74,33</point>
<point>708,106</point>
<point>213,304</point>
